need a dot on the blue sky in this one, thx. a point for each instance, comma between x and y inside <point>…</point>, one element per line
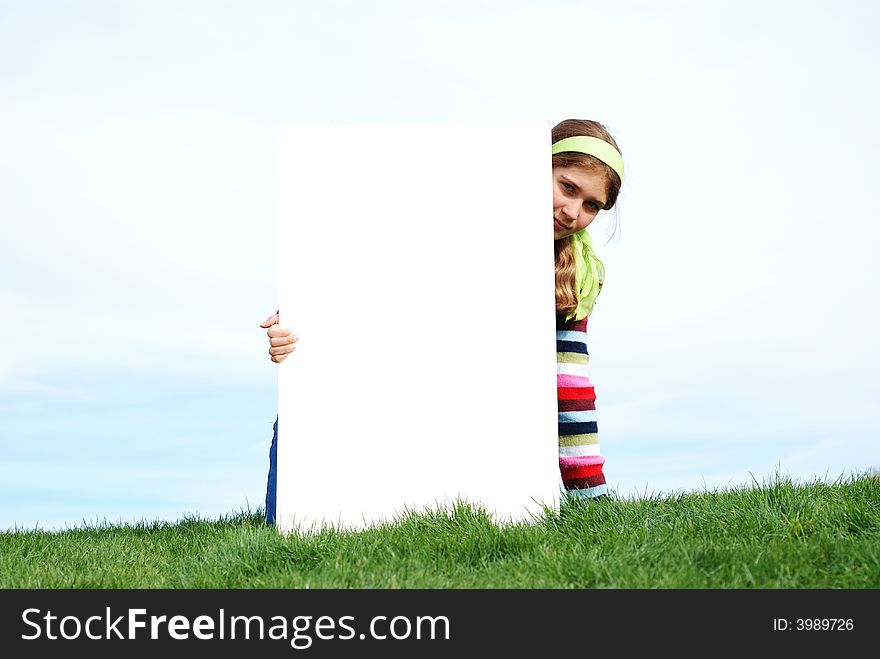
<point>138,183</point>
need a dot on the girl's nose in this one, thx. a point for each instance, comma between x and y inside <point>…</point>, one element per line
<point>571,211</point>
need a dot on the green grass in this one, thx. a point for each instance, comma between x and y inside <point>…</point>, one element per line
<point>779,534</point>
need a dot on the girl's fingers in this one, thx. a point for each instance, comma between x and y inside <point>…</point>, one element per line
<point>271,320</point>
<point>281,340</point>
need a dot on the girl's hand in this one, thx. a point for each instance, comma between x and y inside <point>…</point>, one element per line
<point>282,342</point>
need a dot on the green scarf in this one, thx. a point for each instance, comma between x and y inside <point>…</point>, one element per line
<point>589,275</point>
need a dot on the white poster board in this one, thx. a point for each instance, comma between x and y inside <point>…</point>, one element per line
<point>416,266</point>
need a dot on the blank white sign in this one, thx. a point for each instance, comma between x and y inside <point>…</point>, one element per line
<point>416,266</point>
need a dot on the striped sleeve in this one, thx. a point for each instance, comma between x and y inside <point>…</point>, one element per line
<point>580,463</point>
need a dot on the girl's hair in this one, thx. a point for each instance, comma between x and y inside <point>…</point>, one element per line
<point>566,291</point>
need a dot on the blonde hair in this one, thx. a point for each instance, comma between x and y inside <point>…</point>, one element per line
<point>566,290</point>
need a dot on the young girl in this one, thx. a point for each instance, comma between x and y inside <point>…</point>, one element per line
<point>587,175</point>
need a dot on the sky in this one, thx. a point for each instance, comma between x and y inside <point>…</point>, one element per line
<point>138,201</point>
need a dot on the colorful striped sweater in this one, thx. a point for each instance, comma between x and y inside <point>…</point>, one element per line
<point>579,461</point>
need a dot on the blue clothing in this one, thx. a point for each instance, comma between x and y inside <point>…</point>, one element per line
<point>273,477</point>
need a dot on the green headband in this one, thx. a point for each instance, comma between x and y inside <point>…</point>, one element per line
<point>595,147</point>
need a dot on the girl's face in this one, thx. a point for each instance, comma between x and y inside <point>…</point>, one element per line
<point>578,195</point>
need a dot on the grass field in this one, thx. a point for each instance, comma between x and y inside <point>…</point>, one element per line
<point>780,534</point>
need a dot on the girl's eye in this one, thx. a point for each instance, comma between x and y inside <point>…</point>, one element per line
<point>568,187</point>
